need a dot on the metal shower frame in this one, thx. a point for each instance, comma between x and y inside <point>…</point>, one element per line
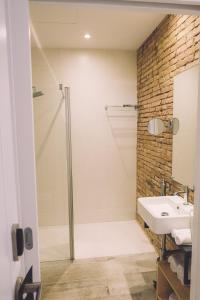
<point>66,96</point>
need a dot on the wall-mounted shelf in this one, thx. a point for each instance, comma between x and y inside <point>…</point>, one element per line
<point>124,106</point>
<point>122,112</point>
<point>168,282</point>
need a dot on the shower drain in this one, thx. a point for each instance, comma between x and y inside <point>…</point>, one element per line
<point>164,214</point>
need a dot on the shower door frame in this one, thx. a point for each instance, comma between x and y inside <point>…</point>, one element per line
<point>69,169</point>
<point>175,6</point>
<point>65,91</point>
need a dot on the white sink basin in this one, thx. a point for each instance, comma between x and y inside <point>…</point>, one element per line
<point>164,213</point>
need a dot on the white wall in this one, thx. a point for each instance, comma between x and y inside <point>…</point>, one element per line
<point>104,149</point>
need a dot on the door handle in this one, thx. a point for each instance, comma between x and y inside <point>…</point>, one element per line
<point>26,289</point>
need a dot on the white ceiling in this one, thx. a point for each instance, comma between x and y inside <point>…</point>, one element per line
<point>63,26</point>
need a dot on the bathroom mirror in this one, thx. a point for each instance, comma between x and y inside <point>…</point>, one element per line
<point>185,99</point>
<point>175,125</point>
<point>156,126</point>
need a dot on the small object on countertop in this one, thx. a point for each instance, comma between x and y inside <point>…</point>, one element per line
<point>180,273</point>
<point>182,236</point>
<point>174,260</point>
<point>173,297</point>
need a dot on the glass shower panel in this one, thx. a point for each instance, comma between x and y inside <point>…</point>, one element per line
<point>51,163</point>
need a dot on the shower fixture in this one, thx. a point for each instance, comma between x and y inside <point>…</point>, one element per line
<point>37,93</point>
<point>61,88</point>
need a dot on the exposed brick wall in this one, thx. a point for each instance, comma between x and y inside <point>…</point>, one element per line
<point>172,48</point>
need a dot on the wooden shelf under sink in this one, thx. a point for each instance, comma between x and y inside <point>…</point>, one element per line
<point>168,282</point>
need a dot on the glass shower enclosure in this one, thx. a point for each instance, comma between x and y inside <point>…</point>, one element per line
<point>52,119</point>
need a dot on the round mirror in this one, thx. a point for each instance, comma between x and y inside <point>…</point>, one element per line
<point>156,126</point>
<point>175,125</point>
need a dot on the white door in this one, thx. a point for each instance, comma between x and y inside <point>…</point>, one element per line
<point>17,165</point>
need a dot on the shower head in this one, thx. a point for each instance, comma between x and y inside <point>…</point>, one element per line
<point>37,93</point>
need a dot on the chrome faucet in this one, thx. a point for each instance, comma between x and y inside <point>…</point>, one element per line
<point>164,187</point>
<point>185,192</point>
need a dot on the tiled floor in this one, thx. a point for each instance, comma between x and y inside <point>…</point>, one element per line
<point>108,278</point>
<point>94,240</point>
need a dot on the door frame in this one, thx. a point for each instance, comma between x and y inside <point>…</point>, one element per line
<point>23,125</point>
<point>176,7</point>
<point>167,6</point>
<point>8,187</point>
<point>20,98</point>
<point>17,133</point>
